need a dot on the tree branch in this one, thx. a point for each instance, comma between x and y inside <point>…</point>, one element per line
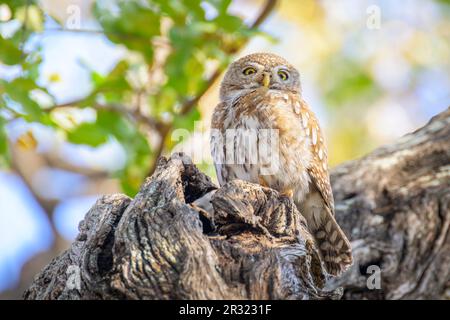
<point>161,127</point>
<point>188,105</point>
<point>133,114</point>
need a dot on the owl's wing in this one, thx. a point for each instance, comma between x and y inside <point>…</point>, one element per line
<point>318,170</point>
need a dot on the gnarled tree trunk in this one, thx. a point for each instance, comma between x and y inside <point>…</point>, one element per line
<point>182,238</point>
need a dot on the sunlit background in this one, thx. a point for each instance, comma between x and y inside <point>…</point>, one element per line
<point>371,70</point>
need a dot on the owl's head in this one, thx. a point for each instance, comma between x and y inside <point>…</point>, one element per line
<point>259,70</point>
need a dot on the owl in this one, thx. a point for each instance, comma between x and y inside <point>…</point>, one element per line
<point>264,132</point>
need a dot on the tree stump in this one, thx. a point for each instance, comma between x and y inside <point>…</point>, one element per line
<point>182,237</point>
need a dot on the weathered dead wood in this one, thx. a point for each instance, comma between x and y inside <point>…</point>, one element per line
<point>250,242</point>
<point>395,205</point>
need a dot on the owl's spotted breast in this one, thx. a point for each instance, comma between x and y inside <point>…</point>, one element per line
<point>262,129</point>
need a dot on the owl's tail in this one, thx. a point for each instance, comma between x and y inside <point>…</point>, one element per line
<point>333,245</point>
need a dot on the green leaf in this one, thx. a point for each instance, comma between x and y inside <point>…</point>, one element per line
<point>164,101</point>
<point>9,52</point>
<point>30,15</point>
<point>229,23</point>
<point>135,144</point>
<point>32,64</point>
<point>135,27</point>
<point>444,2</point>
<point>351,82</point>
<point>221,5</point>
<point>115,80</point>
<point>19,91</point>
<point>17,4</point>
<point>112,87</point>
<point>115,124</point>
<point>186,122</point>
<point>88,133</point>
<point>4,150</point>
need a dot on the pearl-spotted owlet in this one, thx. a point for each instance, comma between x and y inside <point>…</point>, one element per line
<point>264,132</point>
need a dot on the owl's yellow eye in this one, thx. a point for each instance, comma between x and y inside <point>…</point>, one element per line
<point>248,71</point>
<point>283,75</point>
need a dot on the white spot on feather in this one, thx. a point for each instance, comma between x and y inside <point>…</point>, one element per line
<point>325,246</point>
<point>328,226</point>
<point>304,122</point>
<point>320,154</point>
<point>297,107</point>
<point>314,135</point>
<point>320,235</point>
<point>333,236</point>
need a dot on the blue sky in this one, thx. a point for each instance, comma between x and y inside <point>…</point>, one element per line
<point>24,228</point>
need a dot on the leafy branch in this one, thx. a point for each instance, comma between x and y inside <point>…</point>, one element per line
<point>153,90</point>
<point>160,126</point>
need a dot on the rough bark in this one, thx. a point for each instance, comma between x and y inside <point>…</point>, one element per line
<point>182,238</point>
<point>395,205</point>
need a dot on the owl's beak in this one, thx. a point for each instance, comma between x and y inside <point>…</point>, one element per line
<point>266,79</point>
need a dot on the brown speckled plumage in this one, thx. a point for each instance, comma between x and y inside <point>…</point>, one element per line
<point>297,166</point>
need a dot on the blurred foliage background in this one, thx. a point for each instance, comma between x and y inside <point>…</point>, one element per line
<point>93,92</point>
